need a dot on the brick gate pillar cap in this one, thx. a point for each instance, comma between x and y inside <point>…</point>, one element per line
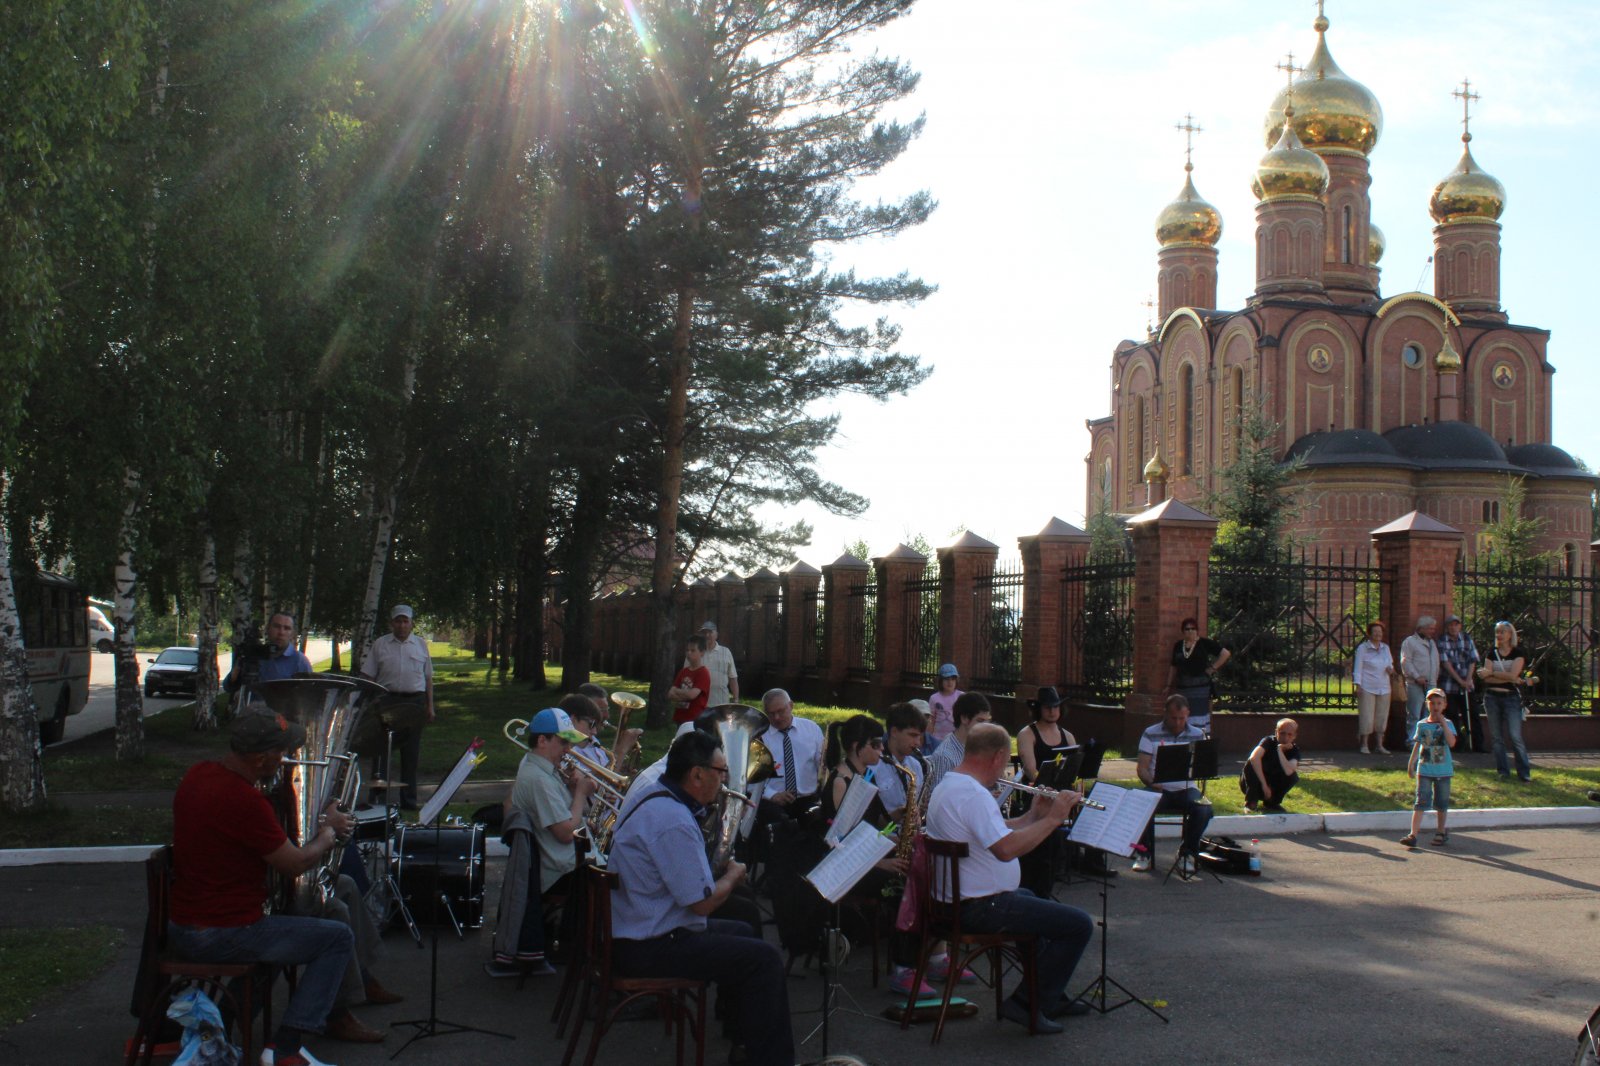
<point>1057,529</point>
<point>705,582</point>
<point>1415,522</point>
<point>801,568</point>
<point>1172,513</point>
<point>762,575</point>
<point>968,542</point>
<point>848,562</point>
<point>902,552</point>
<point>730,578</point>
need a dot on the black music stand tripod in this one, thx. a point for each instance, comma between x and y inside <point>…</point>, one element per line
<point>1195,760</point>
<point>1097,993</point>
<point>433,1025</point>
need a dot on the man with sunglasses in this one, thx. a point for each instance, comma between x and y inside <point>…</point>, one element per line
<point>660,914</point>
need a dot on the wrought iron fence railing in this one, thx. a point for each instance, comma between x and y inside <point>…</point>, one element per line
<point>997,629</point>
<point>861,631</point>
<point>1097,630</point>
<point>1557,618</point>
<point>921,616</point>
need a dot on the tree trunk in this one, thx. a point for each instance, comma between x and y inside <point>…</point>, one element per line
<point>130,704</point>
<point>385,502</point>
<point>243,581</point>
<point>21,756</point>
<point>579,559</point>
<point>333,665</point>
<point>205,682</point>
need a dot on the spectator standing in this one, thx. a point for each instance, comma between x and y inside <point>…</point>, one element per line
<point>942,704</point>
<point>1501,674</point>
<point>691,688</point>
<point>1196,658</point>
<point>399,661</point>
<point>1458,663</point>
<point>1431,765</point>
<point>1373,670</point>
<point>1419,663</point>
<point>718,661</point>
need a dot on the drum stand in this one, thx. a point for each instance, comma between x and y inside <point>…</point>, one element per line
<point>433,1025</point>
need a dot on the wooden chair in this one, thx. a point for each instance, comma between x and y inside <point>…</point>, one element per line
<point>941,920</point>
<point>161,974</point>
<point>599,985</point>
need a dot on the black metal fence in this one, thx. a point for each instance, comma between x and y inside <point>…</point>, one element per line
<point>923,599</point>
<point>1097,630</point>
<point>1292,626</point>
<point>771,650</point>
<point>1557,617</point>
<point>813,654</point>
<point>997,629</point>
<point>861,631</point>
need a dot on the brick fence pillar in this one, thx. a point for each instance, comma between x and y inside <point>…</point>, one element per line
<point>1420,552</point>
<point>895,572</point>
<point>730,597</point>
<point>1171,581</point>
<point>960,565</point>
<point>838,578</point>
<point>758,659</point>
<point>702,605</point>
<point>1044,556</point>
<point>799,583</point>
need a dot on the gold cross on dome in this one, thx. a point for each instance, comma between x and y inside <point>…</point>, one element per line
<point>1149,305</point>
<point>1466,96</point>
<point>1289,69</point>
<point>1189,130</point>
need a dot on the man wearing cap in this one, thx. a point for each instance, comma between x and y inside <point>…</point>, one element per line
<point>541,800</point>
<point>225,837</point>
<point>1458,663</point>
<point>718,661</point>
<point>399,661</point>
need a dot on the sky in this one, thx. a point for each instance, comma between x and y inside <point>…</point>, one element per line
<point>1050,146</point>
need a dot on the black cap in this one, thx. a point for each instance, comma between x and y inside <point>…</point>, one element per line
<point>254,732</point>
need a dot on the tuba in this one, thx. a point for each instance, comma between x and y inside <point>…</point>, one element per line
<point>323,771</point>
<point>739,727</point>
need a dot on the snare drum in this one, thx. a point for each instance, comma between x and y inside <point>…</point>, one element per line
<point>374,823</point>
<point>448,860</point>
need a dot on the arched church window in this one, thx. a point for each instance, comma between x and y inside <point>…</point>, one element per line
<point>1238,410</point>
<point>1186,419</point>
<point>1347,235</point>
<point>1569,559</point>
<point>1412,356</point>
<point>1141,453</point>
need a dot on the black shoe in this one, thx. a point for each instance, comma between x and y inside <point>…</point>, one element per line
<point>1013,1010</point>
<point>1069,1008</point>
<point>1594,796</point>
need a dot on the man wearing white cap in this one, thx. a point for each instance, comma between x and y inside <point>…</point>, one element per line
<point>399,661</point>
<point>718,660</point>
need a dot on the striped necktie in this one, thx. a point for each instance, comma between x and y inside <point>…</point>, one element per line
<point>790,784</point>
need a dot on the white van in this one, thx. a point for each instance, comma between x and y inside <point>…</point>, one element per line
<point>102,637</point>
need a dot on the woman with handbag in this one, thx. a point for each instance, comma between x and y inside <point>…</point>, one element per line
<point>1501,674</point>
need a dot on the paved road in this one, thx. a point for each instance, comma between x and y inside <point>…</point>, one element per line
<point>1348,950</point>
<point>100,712</point>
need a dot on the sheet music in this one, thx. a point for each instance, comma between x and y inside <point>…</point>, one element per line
<point>856,800</point>
<point>1117,828</point>
<point>849,862</point>
<point>447,788</point>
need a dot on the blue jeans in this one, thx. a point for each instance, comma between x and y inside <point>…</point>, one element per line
<point>1504,710</point>
<point>1063,933</point>
<point>1416,696</point>
<point>1432,792</point>
<point>321,949</point>
<point>1196,816</point>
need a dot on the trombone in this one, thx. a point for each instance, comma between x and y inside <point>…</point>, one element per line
<point>610,787</point>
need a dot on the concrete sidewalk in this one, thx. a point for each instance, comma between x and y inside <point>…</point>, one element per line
<point>1347,949</point>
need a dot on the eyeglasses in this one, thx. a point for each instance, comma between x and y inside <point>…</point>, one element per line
<point>723,769</point>
<point>876,742</point>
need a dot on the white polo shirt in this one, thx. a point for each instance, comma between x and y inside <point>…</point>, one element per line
<point>962,809</point>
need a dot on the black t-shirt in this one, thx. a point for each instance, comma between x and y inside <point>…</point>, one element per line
<point>1192,667</point>
<point>1489,660</point>
<point>1271,768</point>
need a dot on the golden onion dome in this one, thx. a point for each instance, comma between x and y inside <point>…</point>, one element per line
<point>1188,219</point>
<point>1290,169</point>
<point>1448,361</point>
<point>1468,193</point>
<point>1333,111</point>
<point>1375,244</point>
<point>1156,468</point>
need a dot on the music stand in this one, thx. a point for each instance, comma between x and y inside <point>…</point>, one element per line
<point>832,878</point>
<point>1095,993</point>
<point>432,811</point>
<point>1195,760</point>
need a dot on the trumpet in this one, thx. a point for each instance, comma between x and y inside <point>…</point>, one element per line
<point>1035,790</point>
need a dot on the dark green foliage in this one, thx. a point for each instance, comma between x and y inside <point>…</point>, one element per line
<point>1107,617</point>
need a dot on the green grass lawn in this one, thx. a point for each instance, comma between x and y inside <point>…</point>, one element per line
<point>35,963</point>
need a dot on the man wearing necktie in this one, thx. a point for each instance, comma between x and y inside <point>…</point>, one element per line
<point>797,744</point>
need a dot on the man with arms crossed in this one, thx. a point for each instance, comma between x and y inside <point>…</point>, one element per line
<point>399,661</point>
<point>963,809</point>
<point>659,917</point>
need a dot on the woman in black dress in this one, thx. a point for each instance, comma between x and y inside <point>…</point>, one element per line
<point>1195,661</point>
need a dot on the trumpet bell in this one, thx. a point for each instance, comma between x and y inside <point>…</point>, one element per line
<point>763,766</point>
<point>628,701</point>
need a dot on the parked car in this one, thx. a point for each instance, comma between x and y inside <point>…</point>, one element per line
<point>174,670</point>
<point>102,636</point>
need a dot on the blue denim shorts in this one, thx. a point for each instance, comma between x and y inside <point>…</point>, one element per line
<point>1432,792</point>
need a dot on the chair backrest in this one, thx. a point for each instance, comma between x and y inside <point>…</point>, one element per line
<point>944,880</point>
<point>597,884</point>
<point>158,890</point>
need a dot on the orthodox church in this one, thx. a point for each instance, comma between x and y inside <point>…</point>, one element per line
<point>1393,404</point>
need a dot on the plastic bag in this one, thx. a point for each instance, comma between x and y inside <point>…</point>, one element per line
<point>205,1043</point>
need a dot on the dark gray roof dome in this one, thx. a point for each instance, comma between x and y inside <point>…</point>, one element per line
<point>1543,458</point>
<point>1449,446</point>
<point>1345,447</point>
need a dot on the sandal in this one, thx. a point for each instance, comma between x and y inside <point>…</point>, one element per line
<point>1441,839</point>
<point>1409,840</point>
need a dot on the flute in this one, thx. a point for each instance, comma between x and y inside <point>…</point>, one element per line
<point>1035,790</point>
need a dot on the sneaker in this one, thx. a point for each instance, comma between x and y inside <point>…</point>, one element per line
<point>937,971</point>
<point>303,1057</point>
<point>1069,1008</point>
<point>1382,750</point>
<point>1141,862</point>
<point>1365,750</point>
<point>1186,868</point>
<point>1014,1011</point>
<point>900,984</point>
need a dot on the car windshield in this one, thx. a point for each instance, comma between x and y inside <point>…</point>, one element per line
<point>179,657</point>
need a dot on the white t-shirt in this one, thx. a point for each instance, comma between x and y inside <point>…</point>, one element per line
<point>718,662</point>
<point>962,809</point>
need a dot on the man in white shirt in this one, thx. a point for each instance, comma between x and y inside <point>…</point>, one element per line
<point>1419,662</point>
<point>963,809</point>
<point>718,660</point>
<point>399,661</point>
<point>1174,728</point>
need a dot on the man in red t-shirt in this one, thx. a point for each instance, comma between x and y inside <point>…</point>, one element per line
<point>692,686</point>
<point>225,838</point>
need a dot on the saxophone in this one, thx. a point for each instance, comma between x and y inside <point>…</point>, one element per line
<point>911,820</point>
